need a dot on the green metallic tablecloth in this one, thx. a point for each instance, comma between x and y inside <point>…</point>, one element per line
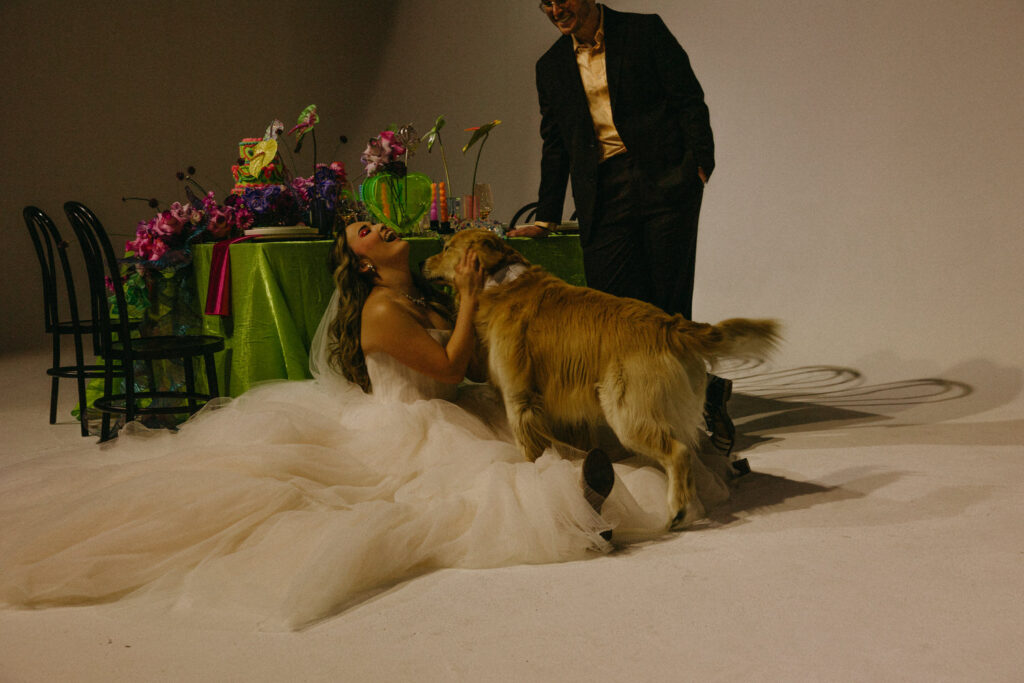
<point>279,290</point>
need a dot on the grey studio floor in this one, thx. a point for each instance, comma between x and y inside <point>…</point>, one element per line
<point>879,538</point>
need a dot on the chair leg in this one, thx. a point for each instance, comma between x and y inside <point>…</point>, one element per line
<point>129,390</point>
<point>105,427</point>
<point>83,407</point>
<point>190,383</point>
<point>83,416</point>
<point>212,387</point>
<point>55,381</point>
<point>108,389</point>
<point>54,388</point>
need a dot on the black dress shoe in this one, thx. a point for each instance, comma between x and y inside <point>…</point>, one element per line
<point>598,480</point>
<point>716,415</point>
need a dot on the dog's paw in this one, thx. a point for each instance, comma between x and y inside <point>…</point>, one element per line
<point>687,516</point>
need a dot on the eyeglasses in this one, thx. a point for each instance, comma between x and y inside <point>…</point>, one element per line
<point>549,4</point>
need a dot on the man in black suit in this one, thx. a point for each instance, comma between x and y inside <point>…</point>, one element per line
<point>623,117</point>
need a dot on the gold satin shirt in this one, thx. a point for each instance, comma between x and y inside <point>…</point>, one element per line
<point>591,61</point>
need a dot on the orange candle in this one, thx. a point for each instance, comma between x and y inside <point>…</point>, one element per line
<point>384,200</point>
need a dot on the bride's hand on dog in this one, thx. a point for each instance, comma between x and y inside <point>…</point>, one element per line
<point>469,277</point>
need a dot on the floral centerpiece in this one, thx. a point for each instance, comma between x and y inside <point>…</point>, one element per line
<point>294,203</point>
<point>276,197</point>
<point>165,240</point>
<point>390,193</point>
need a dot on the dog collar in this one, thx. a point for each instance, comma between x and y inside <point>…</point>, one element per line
<point>505,275</point>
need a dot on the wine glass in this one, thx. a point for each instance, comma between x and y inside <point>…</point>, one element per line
<point>484,200</point>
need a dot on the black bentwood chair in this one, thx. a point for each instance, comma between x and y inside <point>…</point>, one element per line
<point>48,244</point>
<point>120,350</point>
<point>528,212</point>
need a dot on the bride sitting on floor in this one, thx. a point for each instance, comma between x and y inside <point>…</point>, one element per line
<point>297,499</point>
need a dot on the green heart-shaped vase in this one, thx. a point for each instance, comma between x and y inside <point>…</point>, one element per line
<point>398,202</point>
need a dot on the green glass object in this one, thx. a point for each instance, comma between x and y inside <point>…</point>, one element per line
<point>398,202</point>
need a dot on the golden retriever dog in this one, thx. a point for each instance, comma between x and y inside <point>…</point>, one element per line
<point>567,359</point>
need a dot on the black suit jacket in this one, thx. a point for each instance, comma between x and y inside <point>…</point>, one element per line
<point>657,106</point>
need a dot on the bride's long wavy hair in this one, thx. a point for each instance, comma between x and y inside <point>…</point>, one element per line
<point>344,332</point>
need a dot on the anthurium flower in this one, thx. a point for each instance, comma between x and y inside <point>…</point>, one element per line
<point>307,119</point>
<point>434,135</point>
<point>479,133</point>
<point>263,153</point>
<point>274,130</point>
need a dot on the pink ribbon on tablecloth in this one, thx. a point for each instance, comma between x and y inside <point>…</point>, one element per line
<point>218,293</point>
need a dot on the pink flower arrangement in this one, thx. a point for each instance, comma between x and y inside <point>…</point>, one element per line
<point>166,239</point>
<point>389,151</point>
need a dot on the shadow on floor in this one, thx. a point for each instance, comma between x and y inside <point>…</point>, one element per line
<point>832,407</point>
<point>837,405</point>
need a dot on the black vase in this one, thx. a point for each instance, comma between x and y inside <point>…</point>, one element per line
<point>321,217</point>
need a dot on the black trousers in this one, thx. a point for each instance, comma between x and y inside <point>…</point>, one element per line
<point>643,241</point>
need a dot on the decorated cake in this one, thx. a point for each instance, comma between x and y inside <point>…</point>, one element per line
<point>256,166</point>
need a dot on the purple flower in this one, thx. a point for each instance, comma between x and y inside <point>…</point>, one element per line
<point>324,174</point>
<point>259,199</point>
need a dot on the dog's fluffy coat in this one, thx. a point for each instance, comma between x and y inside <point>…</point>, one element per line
<point>568,358</point>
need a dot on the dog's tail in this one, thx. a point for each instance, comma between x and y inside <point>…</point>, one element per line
<point>733,338</point>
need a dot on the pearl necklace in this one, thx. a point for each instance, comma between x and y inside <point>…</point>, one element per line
<point>416,300</point>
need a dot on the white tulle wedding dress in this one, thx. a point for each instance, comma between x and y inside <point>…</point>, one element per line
<point>298,499</point>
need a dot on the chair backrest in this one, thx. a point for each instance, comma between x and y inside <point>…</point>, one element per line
<point>47,241</point>
<point>527,213</point>
<point>105,278</point>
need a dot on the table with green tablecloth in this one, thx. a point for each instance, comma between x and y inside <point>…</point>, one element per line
<point>279,290</point>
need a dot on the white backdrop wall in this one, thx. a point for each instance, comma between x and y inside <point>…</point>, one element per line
<point>869,159</point>
<point>869,154</point>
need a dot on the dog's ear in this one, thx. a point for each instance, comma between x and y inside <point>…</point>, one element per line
<point>514,256</point>
<point>508,254</point>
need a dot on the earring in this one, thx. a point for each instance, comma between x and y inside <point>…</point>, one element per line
<point>367,267</point>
